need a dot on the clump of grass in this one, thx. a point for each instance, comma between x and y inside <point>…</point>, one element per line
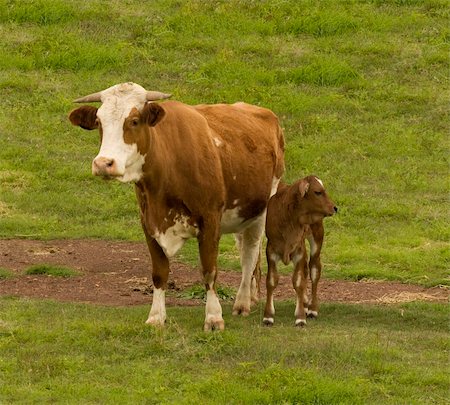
<point>198,291</point>
<point>50,270</point>
<point>5,273</point>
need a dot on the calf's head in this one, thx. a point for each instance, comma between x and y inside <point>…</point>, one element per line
<point>123,121</point>
<point>313,200</point>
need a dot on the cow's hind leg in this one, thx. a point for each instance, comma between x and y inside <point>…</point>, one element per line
<point>250,252</point>
<point>255,289</point>
<point>160,274</point>
<point>208,242</point>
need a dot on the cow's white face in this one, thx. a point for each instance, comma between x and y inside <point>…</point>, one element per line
<point>118,103</point>
<point>123,121</point>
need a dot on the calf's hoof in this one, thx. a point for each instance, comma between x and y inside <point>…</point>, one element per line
<point>300,323</point>
<point>312,314</point>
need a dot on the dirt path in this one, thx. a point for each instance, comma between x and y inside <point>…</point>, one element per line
<point>117,273</point>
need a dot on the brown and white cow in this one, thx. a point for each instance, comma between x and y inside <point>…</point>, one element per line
<point>294,213</point>
<point>199,172</point>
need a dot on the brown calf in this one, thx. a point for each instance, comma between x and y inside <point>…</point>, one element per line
<point>294,213</point>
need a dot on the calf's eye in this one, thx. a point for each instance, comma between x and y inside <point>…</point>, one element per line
<point>317,192</point>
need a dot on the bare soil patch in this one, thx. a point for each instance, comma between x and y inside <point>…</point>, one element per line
<point>118,273</point>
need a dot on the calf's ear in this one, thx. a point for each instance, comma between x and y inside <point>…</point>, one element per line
<point>152,113</point>
<point>303,187</point>
<point>84,117</point>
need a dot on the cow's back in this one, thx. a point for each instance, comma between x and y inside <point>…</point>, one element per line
<point>250,143</point>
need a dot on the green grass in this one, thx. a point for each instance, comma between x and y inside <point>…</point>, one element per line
<point>5,273</point>
<point>361,88</point>
<point>51,270</point>
<point>198,291</point>
<point>353,354</point>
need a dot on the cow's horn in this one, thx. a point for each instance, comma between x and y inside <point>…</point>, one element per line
<point>90,98</point>
<point>156,95</point>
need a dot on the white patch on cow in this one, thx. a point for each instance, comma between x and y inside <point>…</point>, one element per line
<point>250,250</point>
<point>235,202</point>
<point>231,221</point>
<point>217,142</point>
<point>314,314</point>
<point>314,273</point>
<point>234,177</point>
<point>173,239</point>
<point>320,181</point>
<point>118,101</point>
<point>300,322</point>
<point>157,315</point>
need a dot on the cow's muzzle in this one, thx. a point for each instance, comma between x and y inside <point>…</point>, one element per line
<point>106,167</point>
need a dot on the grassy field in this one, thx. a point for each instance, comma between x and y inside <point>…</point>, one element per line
<point>353,354</point>
<point>362,90</point>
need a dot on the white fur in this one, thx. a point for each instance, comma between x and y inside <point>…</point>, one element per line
<point>217,142</point>
<point>118,101</point>
<point>320,181</point>
<point>157,315</point>
<point>314,273</point>
<point>173,239</point>
<point>296,259</point>
<point>213,310</point>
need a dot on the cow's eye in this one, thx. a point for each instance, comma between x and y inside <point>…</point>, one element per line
<point>134,122</point>
<point>318,192</point>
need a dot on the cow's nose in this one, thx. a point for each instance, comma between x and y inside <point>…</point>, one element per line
<point>103,166</point>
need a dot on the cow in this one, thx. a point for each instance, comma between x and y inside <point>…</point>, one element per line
<point>296,213</point>
<point>199,172</point>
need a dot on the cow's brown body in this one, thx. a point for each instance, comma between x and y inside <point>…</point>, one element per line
<point>296,213</point>
<point>206,170</point>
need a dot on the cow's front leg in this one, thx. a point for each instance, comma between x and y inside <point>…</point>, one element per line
<point>299,281</point>
<point>250,251</point>
<point>208,241</point>
<point>160,274</point>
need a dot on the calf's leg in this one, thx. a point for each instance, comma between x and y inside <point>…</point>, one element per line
<point>271,283</point>
<point>299,281</point>
<point>315,239</point>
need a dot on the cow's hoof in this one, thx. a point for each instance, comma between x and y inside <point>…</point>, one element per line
<point>268,321</point>
<point>155,321</point>
<point>300,323</point>
<point>214,325</point>
<point>241,311</point>
<point>312,314</point>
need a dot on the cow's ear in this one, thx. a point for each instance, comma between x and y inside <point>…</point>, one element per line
<point>303,187</point>
<point>84,117</point>
<point>152,113</point>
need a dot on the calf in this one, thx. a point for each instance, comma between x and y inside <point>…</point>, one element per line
<point>294,213</point>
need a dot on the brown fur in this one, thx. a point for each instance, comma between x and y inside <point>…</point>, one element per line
<point>201,160</point>
<point>294,213</point>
